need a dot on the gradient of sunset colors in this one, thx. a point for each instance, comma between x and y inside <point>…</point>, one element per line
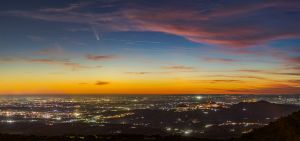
<point>150,47</point>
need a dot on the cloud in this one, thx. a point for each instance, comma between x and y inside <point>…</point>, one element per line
<point>56,55</point>
<point>239,76</point>
<point>295,81</point>
<point>102,83</point>
<point>138,73</point>
<point>288,73</point>
<point>7,59</point>
<point>226,81</point>
<point>100,57</point>
<point>294,60</point>
<point>270,72</point>
<point>66,63</point>
<point>54,52</point>
<point>219,60</point>
<point>82,83</point>
<point>180,68</point>
<point>75,66</point>
<point>252,70</point>
<point>36,38</point>
<point>111,21</point>
<point>268,89</point>
<point>70,7</point>
<point>132,41</point>
<point>231,23</point>
<point>43,60</point>
<point>218,81</point>
<point>294,68</point>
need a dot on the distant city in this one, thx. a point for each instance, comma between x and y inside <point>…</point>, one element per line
<point>210,116</point>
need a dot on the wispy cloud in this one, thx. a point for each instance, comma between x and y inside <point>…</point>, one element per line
<point>101,57</point>
<point>296,81</point>
<point>132,41</point>
<point>268,89</point>
<point>68,8</point>
<point>270,72</point>
<point>102,83</point>
<point>36,38</point>
<point>239,77</point>
<point>295,60</point>
<point>138,73</point>
<point>54,52</point>
<point>44,61</point>
<point>210,26</point>
<point>294,68</point>
<point>66,63</point>
<point>218,81</point>
<point>7,59</point>
<point>219,60</point>
<point>180,68</point>
<point>82,83</point>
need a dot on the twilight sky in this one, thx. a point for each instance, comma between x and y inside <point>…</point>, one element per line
<point>150,47</point>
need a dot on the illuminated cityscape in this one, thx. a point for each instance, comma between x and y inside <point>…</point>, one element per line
<point>192,115</point>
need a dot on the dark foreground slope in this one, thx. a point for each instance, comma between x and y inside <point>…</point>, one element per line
<point>284,129</point>
<point>100,138</point>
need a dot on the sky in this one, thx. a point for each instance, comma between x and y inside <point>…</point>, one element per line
<point>149,47</point>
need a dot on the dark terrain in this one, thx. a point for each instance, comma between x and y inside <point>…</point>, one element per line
<point>261,112</point>
<point>284,129</point>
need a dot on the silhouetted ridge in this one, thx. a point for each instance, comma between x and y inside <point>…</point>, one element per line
<point>256,111</point>
<point>284,129</point>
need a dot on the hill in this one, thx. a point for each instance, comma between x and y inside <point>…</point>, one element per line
<point>283,129</point>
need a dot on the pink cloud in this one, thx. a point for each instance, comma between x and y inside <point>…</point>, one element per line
<point>294,60</point>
